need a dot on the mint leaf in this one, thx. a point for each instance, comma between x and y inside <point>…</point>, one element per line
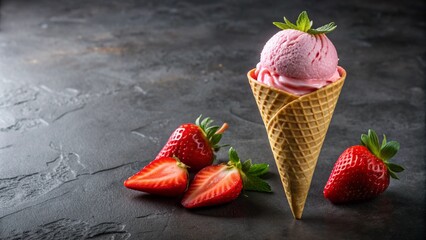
<point>323,29</point>
<point>290,24</point>
<point>258,169</point>
<point>304,24</point>
<point>281,25</point>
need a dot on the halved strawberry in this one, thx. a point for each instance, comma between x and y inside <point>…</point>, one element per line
<point>223,183</point>
<point>164,176</point>
<point>194,144</point>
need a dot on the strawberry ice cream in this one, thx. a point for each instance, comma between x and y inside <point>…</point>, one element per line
<point>296,86</point>
<point>298,62</point>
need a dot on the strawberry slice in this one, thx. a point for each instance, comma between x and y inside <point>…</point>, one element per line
<point>194,144</point>
<point>218,184</point>
<point>213,185</point>
<point>165,176</point>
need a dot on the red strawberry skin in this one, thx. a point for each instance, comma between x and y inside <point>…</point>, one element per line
<point>357,175</point>
<point>164,176</point>
<point>213,185</point>
<point>190,145</point>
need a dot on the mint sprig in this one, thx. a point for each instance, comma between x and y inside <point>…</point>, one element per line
<point>250,173</point>
<point>384,151</point>
<point>304,24</point>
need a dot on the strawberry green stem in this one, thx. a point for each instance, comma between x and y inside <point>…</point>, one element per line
<point>250,173</point>
<point>384,151</point>
<point>212,133</point>
<point>179,163</point>
<point>222,129</point>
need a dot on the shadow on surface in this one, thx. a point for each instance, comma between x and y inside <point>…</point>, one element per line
<point>247,205</point>
<point>354,220</point>
<point>159,201</point>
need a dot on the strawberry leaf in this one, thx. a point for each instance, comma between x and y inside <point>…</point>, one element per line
<point>371,141</point>
<point>393,175</point>
<point>204,124</point>
<point>212,133</point>
<point>218,147</point>
<point>395,167</point>
<point>258,169</point>
<point>233,157</point>
<point>374,142</point>
<point>254,183</point>
<point>364,140</point>
<point>250,172</point>
<point>384,151</point>
<point>384,141</point>
<point>197,121</point>
<point>215,139</point>
<point>389,150</point>
<point>246,165</point>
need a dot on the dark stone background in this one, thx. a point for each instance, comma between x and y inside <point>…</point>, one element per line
<point>91,90</point>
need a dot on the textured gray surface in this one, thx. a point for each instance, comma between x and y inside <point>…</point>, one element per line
<point>91,90</point>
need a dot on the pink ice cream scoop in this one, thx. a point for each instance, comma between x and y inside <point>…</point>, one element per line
<point>298,62</point>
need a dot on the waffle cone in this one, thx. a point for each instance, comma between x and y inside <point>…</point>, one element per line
<point>296,128</point>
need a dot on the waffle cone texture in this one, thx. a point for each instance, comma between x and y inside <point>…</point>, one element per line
<point>296,128</point>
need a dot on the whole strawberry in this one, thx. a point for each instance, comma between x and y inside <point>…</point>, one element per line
<point>362,172</point>
<point>194,144</point>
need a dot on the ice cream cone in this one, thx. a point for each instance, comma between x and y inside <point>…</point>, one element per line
<point>296,128</point>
